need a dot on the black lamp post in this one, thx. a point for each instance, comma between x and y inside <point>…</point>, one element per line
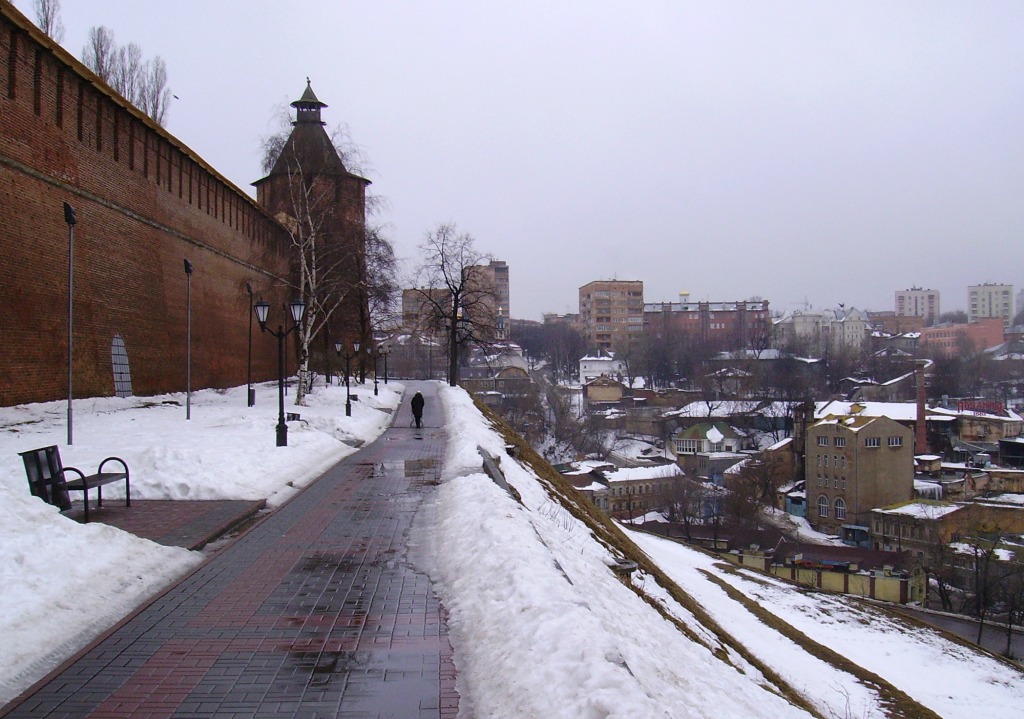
<point>376,356</point>
<point>385,350</point>
<point>250,392</point>
<point>188,340</point>
<point>348,370</point>
<point>298,309</point>
<point>69,218</point>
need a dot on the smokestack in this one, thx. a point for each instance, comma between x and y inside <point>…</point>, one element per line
<point>921,435</point>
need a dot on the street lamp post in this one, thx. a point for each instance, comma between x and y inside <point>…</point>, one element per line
<point>188,340</point>
<point>386,350</point>
<point>327,355</point>
<point>250,392</point>
<point>348,369</point>
<point>376,356</point>
<point>298,309</point>
<point>69,218</point>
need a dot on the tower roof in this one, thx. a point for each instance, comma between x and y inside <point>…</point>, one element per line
<point>307,107</point>
<point>309,149</point>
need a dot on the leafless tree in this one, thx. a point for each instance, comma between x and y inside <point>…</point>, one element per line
<point>48,18</point>
<point>100,52</point>
<point>142,83</point>
<point>380,280</point>
<point>465,306</point>
<point>154,95</point>
<point>335,263</point>
<point>322,280</point>
<point>126,72</point>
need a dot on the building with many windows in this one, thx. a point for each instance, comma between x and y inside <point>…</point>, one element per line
<point>612,313</point>
<point>854,464</point>
<point>917,302</point>
<point>723,325</point>
<point>990,300</point>
<point>823,331</point>
<point>496,275</point>
<point>948,339</point>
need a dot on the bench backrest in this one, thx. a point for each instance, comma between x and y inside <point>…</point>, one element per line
<point>46,476</point>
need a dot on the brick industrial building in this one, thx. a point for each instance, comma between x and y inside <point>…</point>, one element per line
<point>144,202</point>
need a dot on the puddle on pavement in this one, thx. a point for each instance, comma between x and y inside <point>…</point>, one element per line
<point>324,667</point>
<point>326,560</point>
<point>408,468</point>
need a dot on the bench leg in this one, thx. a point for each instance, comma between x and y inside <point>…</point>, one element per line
<point>85,499</point>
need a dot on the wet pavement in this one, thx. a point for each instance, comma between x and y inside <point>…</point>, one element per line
<point>314,612</point>
<point>188,523</point>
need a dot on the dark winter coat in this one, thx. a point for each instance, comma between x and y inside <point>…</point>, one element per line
<point>417,405</point>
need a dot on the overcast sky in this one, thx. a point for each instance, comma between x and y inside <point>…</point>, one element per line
<point>795,151</point>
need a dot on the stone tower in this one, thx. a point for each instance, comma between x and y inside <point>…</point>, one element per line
<point>312,193</point>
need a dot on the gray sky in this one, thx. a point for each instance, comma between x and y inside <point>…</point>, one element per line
<point>796,151</point>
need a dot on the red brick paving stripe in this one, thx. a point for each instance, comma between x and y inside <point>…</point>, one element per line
<point>158,688</point>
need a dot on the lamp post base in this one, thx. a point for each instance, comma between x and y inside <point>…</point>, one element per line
<point>348,409</point>
<point>282,434</point>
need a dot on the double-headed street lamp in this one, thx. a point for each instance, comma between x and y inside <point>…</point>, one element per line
<point>348,389</point>
<point>298,310</point>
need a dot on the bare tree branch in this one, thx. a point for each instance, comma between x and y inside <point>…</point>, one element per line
<point>48,18</point>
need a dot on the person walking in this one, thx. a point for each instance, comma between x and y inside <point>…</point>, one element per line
<point>417,408</point>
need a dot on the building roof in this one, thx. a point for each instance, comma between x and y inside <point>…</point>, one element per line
<point>628,474</point>
<point>731,408</point>
<point>899,411</point>
<point>921,509</point>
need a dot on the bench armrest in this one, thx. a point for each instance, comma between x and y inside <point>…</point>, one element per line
<point>123,464</point>
<point>76,470</point>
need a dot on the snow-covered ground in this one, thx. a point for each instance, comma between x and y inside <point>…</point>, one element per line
<point>61,582</point>
<point>539,624</point>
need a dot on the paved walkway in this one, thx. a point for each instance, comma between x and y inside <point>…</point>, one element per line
<point>315,612</point>
<point>188,523</point>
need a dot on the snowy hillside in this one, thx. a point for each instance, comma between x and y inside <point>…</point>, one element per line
<point>543,627</point>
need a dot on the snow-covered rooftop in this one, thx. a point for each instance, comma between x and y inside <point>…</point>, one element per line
<point>899,411</point>
<point>625,474</point>
<point>921,510</point>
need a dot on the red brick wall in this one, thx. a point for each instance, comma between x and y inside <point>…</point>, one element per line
<point>144,203</point>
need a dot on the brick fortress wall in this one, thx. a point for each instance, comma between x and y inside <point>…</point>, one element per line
<point>144,203</point>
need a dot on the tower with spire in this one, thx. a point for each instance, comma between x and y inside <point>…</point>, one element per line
<point>311,192</point>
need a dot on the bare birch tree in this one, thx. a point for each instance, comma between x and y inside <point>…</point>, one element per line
<point>335,263</point>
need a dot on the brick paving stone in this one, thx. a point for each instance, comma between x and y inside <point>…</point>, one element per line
<point>316,611</point>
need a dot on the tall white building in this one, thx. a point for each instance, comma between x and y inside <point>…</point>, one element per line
<point>917,302</point>
<point>990,300</point>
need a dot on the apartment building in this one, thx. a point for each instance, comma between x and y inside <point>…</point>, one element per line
<point>947,340</point>
<point>855,464</point>
<point>496,275</point>
<point>821,331</point>
<point>612,313</point>
<point>723,325</point>
<point>990,300</point>
<point>917,302</point>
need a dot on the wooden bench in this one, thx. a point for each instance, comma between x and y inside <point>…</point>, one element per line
<point>47,479</point>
